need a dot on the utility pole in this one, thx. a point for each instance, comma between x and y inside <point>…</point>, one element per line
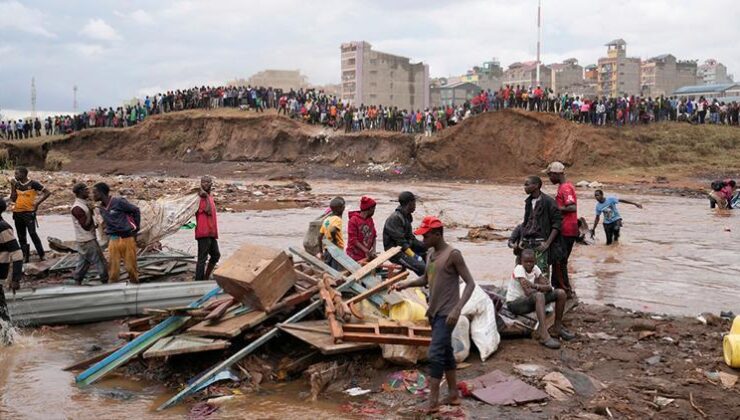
<point>33,97</point>
<point>539,37</point>
<point>74,99</point>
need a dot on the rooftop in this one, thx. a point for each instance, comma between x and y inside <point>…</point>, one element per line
<point>716,88</point>
<point>616,42</point>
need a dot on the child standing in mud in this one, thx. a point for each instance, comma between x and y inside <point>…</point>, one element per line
<point>445,267</point>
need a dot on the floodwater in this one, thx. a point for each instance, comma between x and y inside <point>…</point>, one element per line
<point>676,256</point>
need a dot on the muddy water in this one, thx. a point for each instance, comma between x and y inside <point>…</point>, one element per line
<point>675,256</point>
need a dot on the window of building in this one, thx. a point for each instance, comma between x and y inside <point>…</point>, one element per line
<point>373,61</point>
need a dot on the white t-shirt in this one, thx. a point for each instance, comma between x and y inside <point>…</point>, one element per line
<point>515,290</point>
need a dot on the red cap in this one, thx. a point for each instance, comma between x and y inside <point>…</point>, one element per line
<point>366,203</point>
<point>427,224</point>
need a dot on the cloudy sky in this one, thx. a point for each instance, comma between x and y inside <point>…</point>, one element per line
<point>115,50</point>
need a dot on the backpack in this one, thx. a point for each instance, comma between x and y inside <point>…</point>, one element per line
<point>311,241</point>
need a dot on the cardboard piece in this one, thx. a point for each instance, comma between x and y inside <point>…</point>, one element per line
<point>497,388</point>
<point>256,276</point>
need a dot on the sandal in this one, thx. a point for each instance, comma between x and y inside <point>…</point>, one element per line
<point>551,343</point>
<point>452,402</point>
<point>565,334</point>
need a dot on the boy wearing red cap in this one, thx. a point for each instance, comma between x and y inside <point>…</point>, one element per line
<point>445,266</point>
<point>361,234</point>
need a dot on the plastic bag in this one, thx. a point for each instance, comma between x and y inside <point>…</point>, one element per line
<point>412,310</point>
<point>483,329</point>
<point>461,339</point>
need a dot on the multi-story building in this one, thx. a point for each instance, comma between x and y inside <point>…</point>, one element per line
<point>618,74</point>
<point>713,72</point>
<point>279,79</point>
<point>663,74</point>
<point>566,75</point>
<point>591,73</point>
<point>525,74</point>
<point>375,78</point>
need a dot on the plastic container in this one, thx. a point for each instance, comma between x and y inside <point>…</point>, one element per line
<point>731,345</point>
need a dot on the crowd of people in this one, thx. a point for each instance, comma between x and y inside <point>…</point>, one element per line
<point>316,107</point>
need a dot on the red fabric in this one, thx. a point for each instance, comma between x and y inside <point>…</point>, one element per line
<point>360,230</point>
<point>206,226</point>
<point>566,196</point>
<point>366,203</point>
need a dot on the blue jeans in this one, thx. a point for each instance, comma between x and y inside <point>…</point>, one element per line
<point>441,356</point>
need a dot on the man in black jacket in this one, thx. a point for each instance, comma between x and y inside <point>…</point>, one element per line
<point>541,226</point>
<point>398,232</point>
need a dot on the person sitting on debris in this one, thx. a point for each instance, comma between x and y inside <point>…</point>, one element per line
<point>10,254</point>
<point>122,222</point>
<point>361,234</point>
<point>398,232</point>
<point>331,230</point>
<point>89,252</point>
<point>25,192</point>
<point>206,231</point>
<point>612,219</point>
<point>530,291</point>
<point>445,266</point>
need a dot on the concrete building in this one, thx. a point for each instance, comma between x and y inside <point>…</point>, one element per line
<point>713,72</point>
<point>525,74</point>
<point>664,74</point>
<point>375,78</point>
<point>566,75</point>
<point>720,91</point>
<point>591,73</point>
<point>279,79</point>
<point>453,94</point>
<point>618,74</point>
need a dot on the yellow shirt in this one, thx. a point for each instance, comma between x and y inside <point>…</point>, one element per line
<point>329,224</point>
<point>27,194</point>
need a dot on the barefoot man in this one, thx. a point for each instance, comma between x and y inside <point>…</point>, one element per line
<point>445,266</point>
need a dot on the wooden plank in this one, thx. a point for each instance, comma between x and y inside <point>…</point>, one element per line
<point>377,262</point>
<point>139,344</point>
<point>369,280</point>
<point>220,310</point>
<point>386,334</point>
<point>379,288</point>
<point>229,326</point>
<point>353,286</point>
<point>316,333</point>
<point>183,344</point>
<point>139,324</point>
<point>84,364</point>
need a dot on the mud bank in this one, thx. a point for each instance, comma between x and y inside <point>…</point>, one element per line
<point>491,146</point>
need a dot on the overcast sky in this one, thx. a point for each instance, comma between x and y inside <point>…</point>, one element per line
<point>115,50</point>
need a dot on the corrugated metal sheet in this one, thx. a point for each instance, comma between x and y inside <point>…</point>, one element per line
<point>81,304</point>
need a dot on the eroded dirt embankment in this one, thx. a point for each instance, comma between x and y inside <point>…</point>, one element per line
<point>489,146</point>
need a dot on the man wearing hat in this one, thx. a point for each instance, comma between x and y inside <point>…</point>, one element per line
<point>361,234</point>
<point>397,232</point>
<point>445,267</point>
<point>568,206</point>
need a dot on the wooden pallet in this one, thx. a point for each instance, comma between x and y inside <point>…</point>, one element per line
<point>385,334</point>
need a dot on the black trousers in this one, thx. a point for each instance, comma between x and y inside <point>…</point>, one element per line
<point>26,222</point>
<point>17,273</point>
<point>207,251</point>
<point>611,230</point>
<point>559,278</point>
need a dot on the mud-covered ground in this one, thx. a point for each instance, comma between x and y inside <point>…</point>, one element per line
<point>622,365</point>
<point>230,195</point>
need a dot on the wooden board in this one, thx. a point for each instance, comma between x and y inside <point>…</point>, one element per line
<point>409,335</point>
<point>316,333</point>
<point>183,344</point>
<point>229,326</point>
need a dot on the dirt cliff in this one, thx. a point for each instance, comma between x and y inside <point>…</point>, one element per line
<point>489,146</point>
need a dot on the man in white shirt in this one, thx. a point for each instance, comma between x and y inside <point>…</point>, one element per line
<point>529,291</point>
